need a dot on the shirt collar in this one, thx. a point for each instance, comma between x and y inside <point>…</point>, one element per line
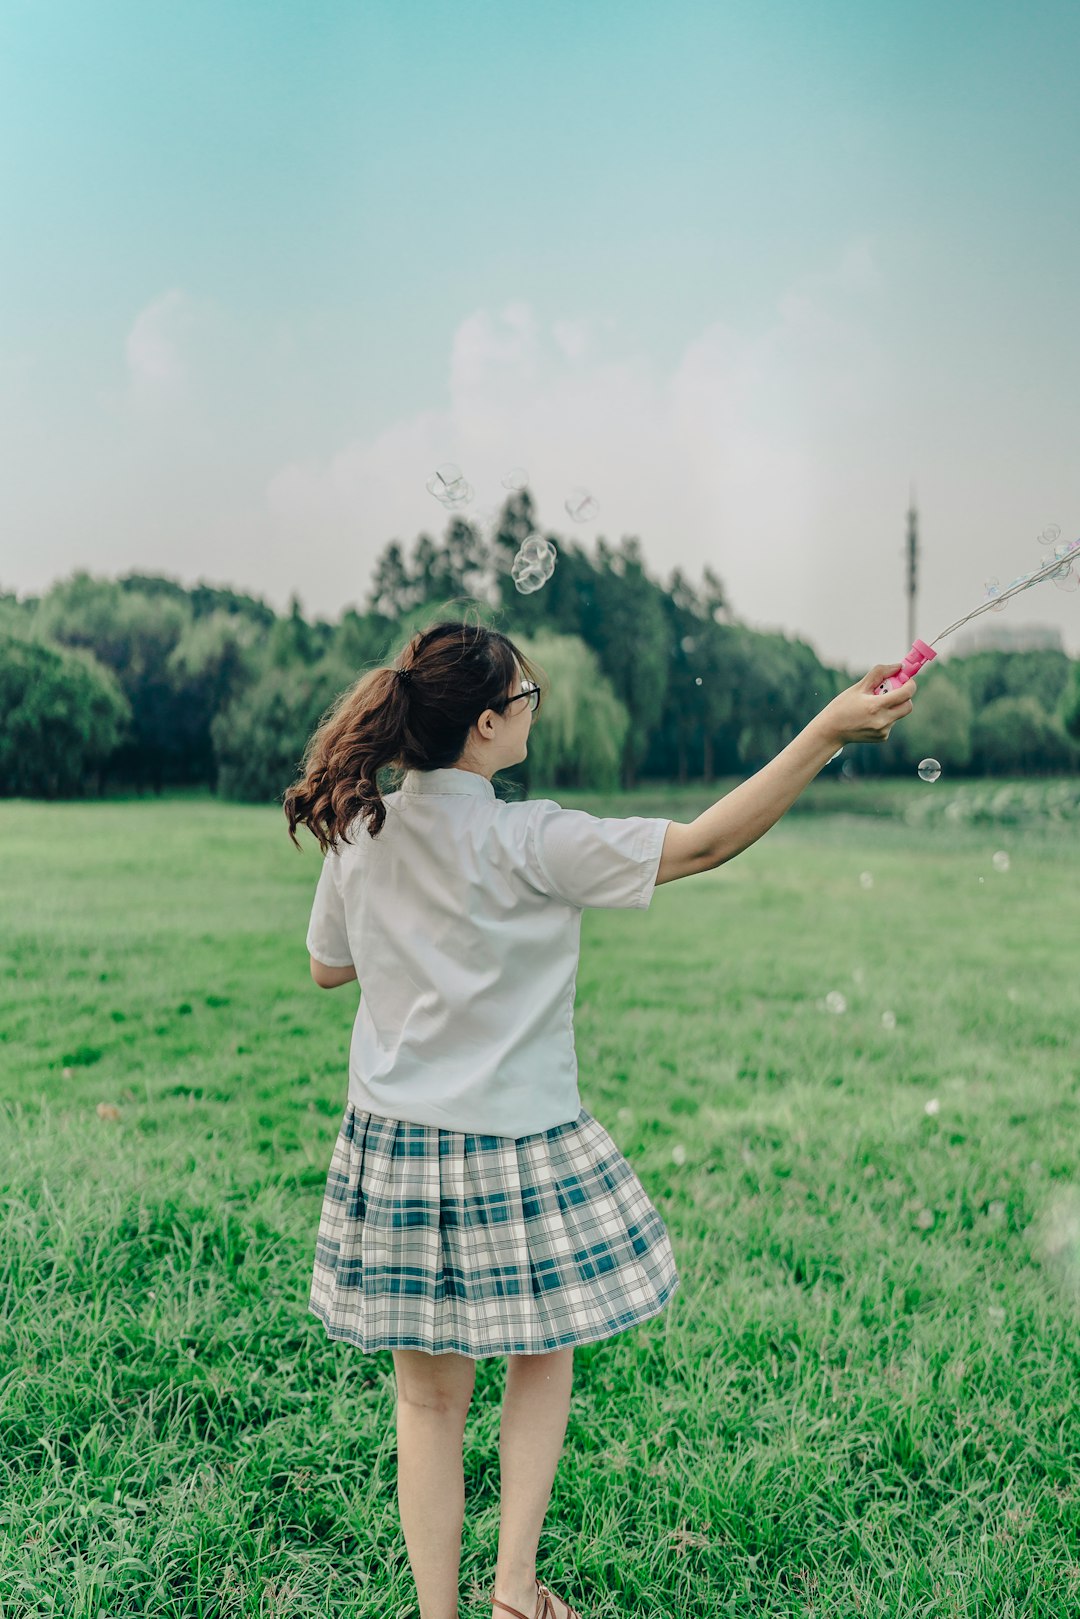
<point>450,780</point>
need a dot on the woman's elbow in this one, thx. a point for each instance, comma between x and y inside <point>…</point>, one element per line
<point>330,977</point>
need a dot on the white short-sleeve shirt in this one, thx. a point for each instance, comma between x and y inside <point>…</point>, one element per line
<point>463,921</point>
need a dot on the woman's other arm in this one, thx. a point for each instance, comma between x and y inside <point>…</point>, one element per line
<point>330,977</point>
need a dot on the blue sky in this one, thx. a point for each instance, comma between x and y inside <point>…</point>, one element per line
<point>743,271</point>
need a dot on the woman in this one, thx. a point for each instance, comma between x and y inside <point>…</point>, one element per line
<point>473,1207</point>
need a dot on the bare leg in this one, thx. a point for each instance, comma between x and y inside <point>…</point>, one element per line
<point>536,1406</point>
<point>433,1395</point>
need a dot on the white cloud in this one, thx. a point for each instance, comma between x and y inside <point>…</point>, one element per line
<point>719,461</point>
<point>156,344</point>
<point>572,336</point>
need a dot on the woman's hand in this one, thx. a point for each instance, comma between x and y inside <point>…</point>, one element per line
<point>858,715</point>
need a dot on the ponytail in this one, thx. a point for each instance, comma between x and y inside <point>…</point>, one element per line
<point>415,715</point>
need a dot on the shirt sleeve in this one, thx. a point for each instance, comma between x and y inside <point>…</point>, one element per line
<point>589,860</point>
<point>327,937</point>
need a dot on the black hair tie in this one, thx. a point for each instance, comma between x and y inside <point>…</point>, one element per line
<point>404,675</point>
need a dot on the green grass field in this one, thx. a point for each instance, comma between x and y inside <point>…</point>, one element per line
<point>862,1400</point>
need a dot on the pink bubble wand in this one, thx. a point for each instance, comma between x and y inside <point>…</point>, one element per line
<point>923,651</point>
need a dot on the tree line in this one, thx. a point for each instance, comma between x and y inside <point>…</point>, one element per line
<point>142,683</point>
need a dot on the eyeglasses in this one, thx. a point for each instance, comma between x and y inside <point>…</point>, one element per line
<point>531,691</point>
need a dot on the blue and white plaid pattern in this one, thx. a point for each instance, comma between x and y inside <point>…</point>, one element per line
<point>482,1245</point>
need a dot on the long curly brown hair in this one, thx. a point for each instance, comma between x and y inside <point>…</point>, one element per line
<point>455,671</point>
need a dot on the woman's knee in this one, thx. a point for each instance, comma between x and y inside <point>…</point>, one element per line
<point>440,1382</point>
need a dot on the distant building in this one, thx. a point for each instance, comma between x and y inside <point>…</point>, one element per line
<point>986,636</point>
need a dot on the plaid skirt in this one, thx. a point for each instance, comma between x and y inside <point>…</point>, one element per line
<point>478,1245</point>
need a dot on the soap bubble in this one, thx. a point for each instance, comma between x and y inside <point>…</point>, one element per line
<point>516,479</point>
<point>992,587</point>
<point>1069,581</point>
<point>535,548</point>
<point>527,583</point>
<point>932,1107</point>
<point>888,1020</point>
<point>847,770</point>
<point>1050,533</point>
<point>582,506</point>
<point>529,571</point>
<point>697,680</point>
<point>1000,860</point>
<point>533,568</point>
<point>1059,556</point>
<point>929,770</point>
<point>536,552</point>
<point>835,1002</point>
<point>533,564</point>
<point>542,561</point>
<point>448,485</point>
<point>678,1154</point>
<point>865,880</point>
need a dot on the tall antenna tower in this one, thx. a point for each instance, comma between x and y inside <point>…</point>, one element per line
<point>912,563</point>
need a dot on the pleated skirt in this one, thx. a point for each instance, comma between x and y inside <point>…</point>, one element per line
<point>458,1243</point>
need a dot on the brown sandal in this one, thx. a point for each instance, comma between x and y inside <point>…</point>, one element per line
<point>546,1609</point>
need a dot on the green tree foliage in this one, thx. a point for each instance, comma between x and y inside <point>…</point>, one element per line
<point>683,687</point>
<point>133,635</point>
<point>986,676</point>
<point>201,598</point>
<point>260,737</point>
<point>678,737</point>
<point>362,639</point>
<point>774,686</point>
<point>578,734</point>
<point>17,615</point>
<point>699,702</point>
<point>293,640</point>
<point>391,593</point>
<point>130,632</point>
<point>630,636</point>
<point>1070,704</point>
<point>214,659</point>
<point>63,716</point>
<point>461,566</point>
<point>938,726</point>
<point>1016,736</point>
